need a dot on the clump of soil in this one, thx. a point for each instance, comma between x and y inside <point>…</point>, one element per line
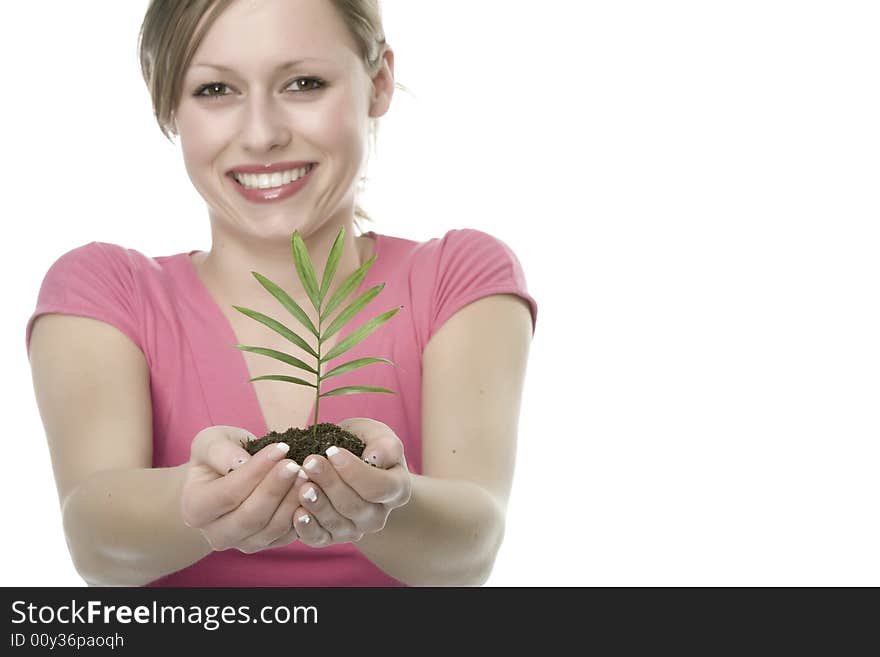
<point>302,441</point>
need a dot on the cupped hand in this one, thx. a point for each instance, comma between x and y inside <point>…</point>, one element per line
<point>344,498</point>
<point>237,500</point>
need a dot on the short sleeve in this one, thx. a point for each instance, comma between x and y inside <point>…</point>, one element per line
<point>94,280</point>
<point>473,264</point>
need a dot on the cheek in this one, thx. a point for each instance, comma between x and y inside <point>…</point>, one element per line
<point>200,141</point>
<point>337,127</point>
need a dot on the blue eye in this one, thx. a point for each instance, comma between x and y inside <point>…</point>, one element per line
<point>211,86</point>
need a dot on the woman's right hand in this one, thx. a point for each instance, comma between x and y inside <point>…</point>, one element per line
<point>251,507</point>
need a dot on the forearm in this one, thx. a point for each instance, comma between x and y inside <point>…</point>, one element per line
<point>446,535</point>
<point>124,527</point>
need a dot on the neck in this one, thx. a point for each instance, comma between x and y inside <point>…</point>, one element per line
<point>226,268</point>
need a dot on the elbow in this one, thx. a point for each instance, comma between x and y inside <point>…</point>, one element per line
<point>84,554</point>
<point>80,541</point>
<point>81,545</point>
<point>479,574</point>
<point>487,542</point>
<point>96,564</point>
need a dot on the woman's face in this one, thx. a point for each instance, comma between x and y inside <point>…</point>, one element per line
<point>253,112</point>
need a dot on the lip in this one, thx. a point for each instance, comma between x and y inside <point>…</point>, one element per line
<point>268,168</point>
<point>272,194</point>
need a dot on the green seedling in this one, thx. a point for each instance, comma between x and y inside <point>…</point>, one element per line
<point>316,295</point>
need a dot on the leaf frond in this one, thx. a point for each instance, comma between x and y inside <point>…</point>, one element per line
<point>349,390</point>
<point>278,355</point>
<point>278,327</point>
<point>292,306</point>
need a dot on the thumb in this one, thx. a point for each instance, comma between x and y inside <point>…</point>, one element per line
<point>383,448</point>
<point>219,447</point>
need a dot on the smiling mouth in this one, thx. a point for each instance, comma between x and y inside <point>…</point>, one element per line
<point>271,180</point>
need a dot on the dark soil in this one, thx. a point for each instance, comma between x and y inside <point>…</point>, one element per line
<point>302,442</point>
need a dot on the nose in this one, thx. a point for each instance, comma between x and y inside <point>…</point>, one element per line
<point>264,125</point>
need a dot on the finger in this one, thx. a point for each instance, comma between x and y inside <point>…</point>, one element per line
<point>330,474</point>
<point>212,499</point>
<point>315,501</point>
<point>309,530</point>
<point>280,525</point>
<point>220,448</point>
<point>370,484</point>
<point>254,514</point>
<point>287,539</point>
<point>383,447</point>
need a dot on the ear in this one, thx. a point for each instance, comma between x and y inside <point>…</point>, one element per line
<point>383,85</point>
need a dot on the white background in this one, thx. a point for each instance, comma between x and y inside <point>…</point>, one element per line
<point>692,190</point>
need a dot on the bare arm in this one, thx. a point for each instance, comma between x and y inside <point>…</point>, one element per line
<point>473,374</point>
<point>447,535</point>
<point>121,517</point>
<point>443,527</point>
<point>124,528</point>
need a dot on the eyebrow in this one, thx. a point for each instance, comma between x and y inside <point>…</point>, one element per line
<point>280,67</point>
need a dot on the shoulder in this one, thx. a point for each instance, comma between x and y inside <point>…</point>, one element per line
<point>462,240</point>
<point>98,280</point>
<point>104,256</point>
<point>439,276</point>
<point>471,264</point>
<point>462,257</point>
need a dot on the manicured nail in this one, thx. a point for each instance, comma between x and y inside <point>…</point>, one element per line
<point>336,457</point>
<point>314,465</point>
<point>305,519</point>
<point>303,475</point>
<point>280,450</point>
<point>237,463</point>
<point>289,471</point>
<point>311,495</point>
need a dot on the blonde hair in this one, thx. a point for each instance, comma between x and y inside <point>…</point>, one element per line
<point>168,40</point>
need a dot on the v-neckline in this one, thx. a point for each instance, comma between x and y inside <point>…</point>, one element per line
<point>229,337</point>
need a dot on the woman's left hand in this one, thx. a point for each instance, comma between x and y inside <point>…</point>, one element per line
<point>345,498</point>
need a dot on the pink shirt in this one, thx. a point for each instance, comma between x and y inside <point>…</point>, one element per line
<point>198,380</point>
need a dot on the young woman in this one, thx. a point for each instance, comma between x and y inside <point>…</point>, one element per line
<point>145,401</point>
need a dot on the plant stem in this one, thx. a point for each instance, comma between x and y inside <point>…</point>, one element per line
<point>318,382</point>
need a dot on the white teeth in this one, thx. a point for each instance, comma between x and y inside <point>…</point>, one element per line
<point>267,180</point>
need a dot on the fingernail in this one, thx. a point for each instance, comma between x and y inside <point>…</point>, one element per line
<point>305,519</point>
<point>279,451</point>
<point>289,470</point>
<point>313,465</point>
<point>237,463</point>
<point>335,455</point>
<point>303,475</point>
<point>311,495</point>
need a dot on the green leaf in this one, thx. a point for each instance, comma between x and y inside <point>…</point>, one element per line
<point>350,285</point>
<point>332,262</point>
<point>354,364</point>
<point>291,305</point>
<point>278,327</point>
<point>278,355</point>
<point>359,334</point>
<point>279,377</point>
<point>304,268</point>
<point>343,318</point>
<point>348,390</point>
